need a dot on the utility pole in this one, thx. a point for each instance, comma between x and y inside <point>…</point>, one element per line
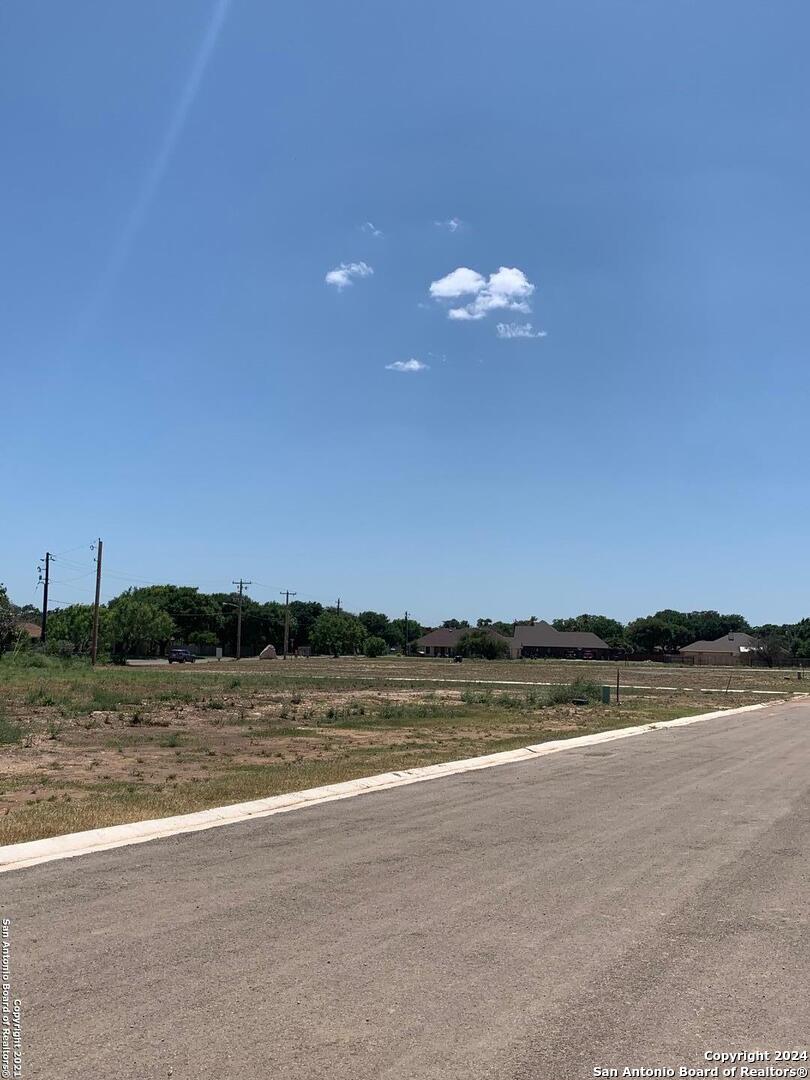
<point>338,605</point>
<point>44,632</point>
<point>241,585</point>
<point>287,594</point>
<point>94,645</point>
<point>406,633</point>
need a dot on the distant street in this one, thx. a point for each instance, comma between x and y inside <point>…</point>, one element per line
<point>637,903</point>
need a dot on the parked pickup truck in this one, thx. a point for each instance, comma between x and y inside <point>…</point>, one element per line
<point>180,655</point>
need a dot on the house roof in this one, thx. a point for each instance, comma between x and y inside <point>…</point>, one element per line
<point>542,635</point>
<point>728,643</point>
<point>31,629</point>
<point>445,637</point>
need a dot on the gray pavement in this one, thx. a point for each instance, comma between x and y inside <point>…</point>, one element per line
<point>634,904</point>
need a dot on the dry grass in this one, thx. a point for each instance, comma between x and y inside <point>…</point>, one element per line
<point>81,748</point>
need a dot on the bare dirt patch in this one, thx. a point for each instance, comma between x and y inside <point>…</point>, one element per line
<point>92,747</point>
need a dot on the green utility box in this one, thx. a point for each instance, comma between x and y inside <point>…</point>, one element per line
<point>605,695</point>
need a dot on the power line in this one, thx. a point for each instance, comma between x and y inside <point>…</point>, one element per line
<point>67,581</point>
<point>67,551</point>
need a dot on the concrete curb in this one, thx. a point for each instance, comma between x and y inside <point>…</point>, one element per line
<point>31,853</point>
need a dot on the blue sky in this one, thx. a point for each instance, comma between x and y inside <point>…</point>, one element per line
<point>180,378</point>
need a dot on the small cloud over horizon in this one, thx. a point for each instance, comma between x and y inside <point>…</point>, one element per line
<point>371,230</point>
<point>409,366</point>
<point>452,224</point>
<point>342,275</point>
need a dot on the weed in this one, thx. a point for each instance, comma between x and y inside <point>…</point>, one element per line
<point>39,697</point>
<point>10,733</point>
<point>579,688</point>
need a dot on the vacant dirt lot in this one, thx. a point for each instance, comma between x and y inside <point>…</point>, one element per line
<point>81,748</point>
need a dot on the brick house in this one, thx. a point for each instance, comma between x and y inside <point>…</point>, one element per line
<point>444,641</point>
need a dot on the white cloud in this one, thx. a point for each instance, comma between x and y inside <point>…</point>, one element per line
<point>371,230</point>
<point>452,225</point>
<point>508,288</point>
<point>342,275</point>
<point>410,366</point>
<point>460,282</point>
<point>510,282</point>
<point>518,330</point>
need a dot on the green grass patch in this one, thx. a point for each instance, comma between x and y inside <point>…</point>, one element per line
<point>11,734</point>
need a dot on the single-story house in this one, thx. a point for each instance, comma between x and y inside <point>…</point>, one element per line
<point>540,639</point>
<point>728,649</point>
<point>444,641</point>
<point>528,642</point>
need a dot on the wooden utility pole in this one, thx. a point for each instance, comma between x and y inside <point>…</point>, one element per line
<point>287,594</point>
<point>44,624</point>
<point>406,633</point>
<point>94,644</point>
<point>618,677</point>
<point>338,605</point>
<point>241,585</point>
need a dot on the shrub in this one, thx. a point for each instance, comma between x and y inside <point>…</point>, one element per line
<point>65,649</point>
<point>376,646</point>
<point>579,688</point>
<point>484,645</point>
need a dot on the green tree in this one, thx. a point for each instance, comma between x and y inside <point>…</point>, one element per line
<point>609,630</point>
<point>774,642</point>
<point>482,645</point>
<point>455,624</point>
<point>711,625</point>
<point>190,610</point>
<point>663,632</point>
<point>375,622</point>
<point>138,627</point>
<point>27,613</point>
<point>74,625</point>
<point>376,646</point>
<point>261,623</point>
<point>304,613</point>
<point>395,633</point>
<point>7,618</point>
<point>338,632</point>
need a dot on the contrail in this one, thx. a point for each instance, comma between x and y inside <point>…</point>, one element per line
<point>151,182</point>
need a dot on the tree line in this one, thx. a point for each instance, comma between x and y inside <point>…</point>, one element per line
<point>145,621</point>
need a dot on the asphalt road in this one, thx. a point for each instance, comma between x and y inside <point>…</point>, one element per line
<point>638,903</point>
